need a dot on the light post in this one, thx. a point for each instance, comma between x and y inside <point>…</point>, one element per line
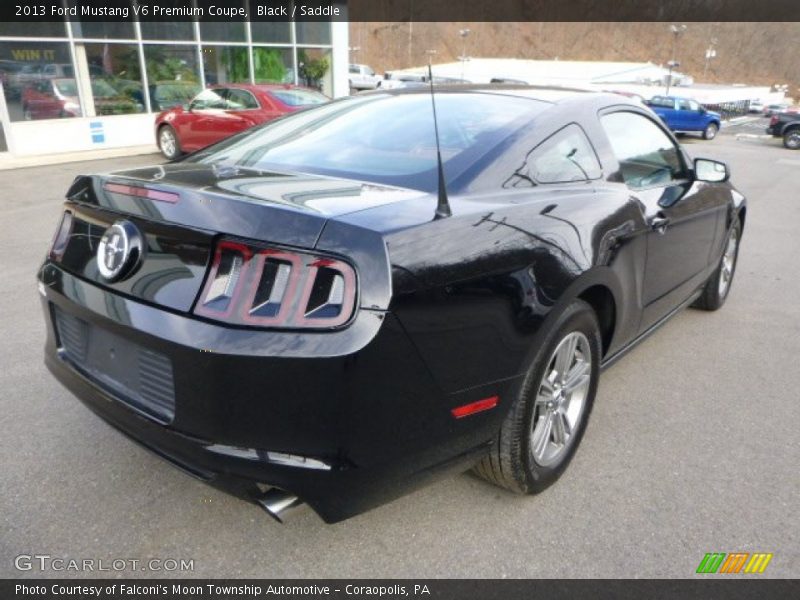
<point>711,52</point>
<point>464,33</point>
<point>676,30</point>
<point>673,64</point>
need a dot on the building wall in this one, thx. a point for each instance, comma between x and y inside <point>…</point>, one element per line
<point>69,87</point>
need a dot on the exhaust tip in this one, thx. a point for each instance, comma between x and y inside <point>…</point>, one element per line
<point>277,502</point>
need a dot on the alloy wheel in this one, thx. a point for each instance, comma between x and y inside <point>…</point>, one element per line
<point>561,399</point>
<point>728,263</point>
<point>167,142</point>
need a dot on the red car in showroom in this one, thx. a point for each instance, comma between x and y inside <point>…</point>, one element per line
<point>223,110</point>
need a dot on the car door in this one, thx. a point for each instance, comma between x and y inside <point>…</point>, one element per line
<point>271,108</point>
<point>242,112</point>
<point>696,116</point>
<point>681,217</point>
<point>685,119</point>
<point>201,127</point>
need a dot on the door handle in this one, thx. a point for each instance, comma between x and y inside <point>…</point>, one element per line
<point>659,223</point>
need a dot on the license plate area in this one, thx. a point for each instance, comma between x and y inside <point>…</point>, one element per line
<point>139,377</point>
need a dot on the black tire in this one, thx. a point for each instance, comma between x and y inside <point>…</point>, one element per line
<point>713,295</point>
<point>172,151</point>
<point>710,131</point>
<point>791,139</point>
<point>511,463</point>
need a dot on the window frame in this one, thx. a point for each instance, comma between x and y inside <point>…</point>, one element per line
<point>685,163</point>
<point>587,139</point>
<point>226,96</point>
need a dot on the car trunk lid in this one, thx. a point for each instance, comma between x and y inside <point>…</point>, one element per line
<point>181,210</point>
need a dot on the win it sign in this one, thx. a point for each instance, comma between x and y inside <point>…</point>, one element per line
<point>736,562</point>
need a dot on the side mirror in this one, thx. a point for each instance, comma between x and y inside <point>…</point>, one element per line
<point>711,171</point>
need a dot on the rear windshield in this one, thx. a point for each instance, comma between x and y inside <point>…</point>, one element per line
<point>299,97</point>
<point>381,138</point>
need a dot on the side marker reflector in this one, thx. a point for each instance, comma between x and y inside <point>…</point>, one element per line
<point>475,407</point>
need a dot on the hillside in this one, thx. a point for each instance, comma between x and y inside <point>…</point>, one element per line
<point>753,53</point>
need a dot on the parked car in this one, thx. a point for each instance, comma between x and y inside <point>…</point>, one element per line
<point>774,109</point>
<point>363,77</point>
<point>51,99</point>
<point>686,115</point>
<point>223,110</point>
<point>393,81</point>
<point>756,106</point>
<point>299,313</point>
<point>786,125</point>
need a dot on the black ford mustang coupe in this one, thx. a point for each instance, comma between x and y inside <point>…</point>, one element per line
<point>313,311</point>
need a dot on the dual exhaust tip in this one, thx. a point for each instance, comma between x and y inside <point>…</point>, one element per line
<point>277,503</point>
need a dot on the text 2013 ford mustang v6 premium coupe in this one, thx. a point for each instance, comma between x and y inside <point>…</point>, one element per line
<point>320,310</point>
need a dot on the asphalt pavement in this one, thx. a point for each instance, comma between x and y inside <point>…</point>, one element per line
<point>692,447</point>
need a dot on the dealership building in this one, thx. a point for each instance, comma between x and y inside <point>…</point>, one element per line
<point>79,86</point>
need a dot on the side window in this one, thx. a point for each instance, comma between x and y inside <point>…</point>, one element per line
<point>354,69</point>
<point>662,102</point>
<point>209,99</point>
<point>240,100</point>
<point>683,105</point>
<point>694,106</point>
<point>564,157</point>
<point>646,155</point>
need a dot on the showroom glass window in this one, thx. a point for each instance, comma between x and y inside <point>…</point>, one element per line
<point>101,30</point>
<point>38,80</point>
<point>173,75</point>
<point>116,78</point>
<point>226,64</point>
<point>646,155</point>
<point>313,33</point>
<point>167,30</point>
<point>273,65</point>
<point>225,29</point>
<point>271,32</point>
<point>314,69</point>
<point>44,29</point>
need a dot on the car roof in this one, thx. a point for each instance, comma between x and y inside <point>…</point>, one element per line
<point>549,94</point>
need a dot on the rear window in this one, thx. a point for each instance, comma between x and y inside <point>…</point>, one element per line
<point>382,138</point>
<point>300,97</point>
<point>662,102</point>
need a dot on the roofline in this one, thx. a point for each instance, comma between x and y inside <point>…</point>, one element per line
<point>478,87</point>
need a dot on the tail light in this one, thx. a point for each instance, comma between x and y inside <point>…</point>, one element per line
<point>60,239</point>
<point>271,287</point>
<point>774,121</point>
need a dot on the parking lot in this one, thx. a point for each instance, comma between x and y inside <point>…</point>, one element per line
<point>692,446</point>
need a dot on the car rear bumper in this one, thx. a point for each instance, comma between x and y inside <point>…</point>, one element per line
<point>344,432</point>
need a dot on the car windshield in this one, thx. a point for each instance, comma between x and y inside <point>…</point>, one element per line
<point>381,138</point>
<point>300,97</point>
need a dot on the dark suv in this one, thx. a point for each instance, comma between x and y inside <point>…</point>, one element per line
<point>787,126</point>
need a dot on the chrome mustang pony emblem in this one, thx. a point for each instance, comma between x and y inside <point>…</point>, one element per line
<point>120,251</point>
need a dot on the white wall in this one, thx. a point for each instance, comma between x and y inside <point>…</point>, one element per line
<point>76,135</point>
